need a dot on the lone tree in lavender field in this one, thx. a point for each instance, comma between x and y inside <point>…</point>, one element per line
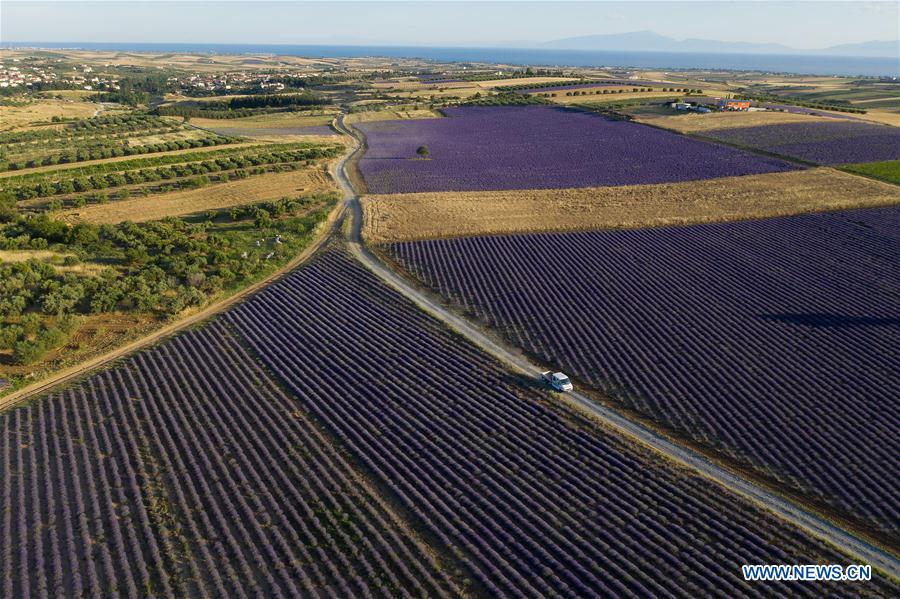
<point>423,151</point>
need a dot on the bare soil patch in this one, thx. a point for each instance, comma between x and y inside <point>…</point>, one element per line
<point>412,216</point>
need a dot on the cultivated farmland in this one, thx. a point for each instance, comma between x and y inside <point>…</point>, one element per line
<point>187,472</point>
<point>410,216</point>
<point>823,142</point>
<point>699,123</point>
<point>528,147</point>
<point>532,498</point>
<point>271,124</point>
<point>306,181</point>
<point>390,115</point>
<point>770,342</point>
<point>100,138</point>
<point>42,111</point>
<point>356,470</point>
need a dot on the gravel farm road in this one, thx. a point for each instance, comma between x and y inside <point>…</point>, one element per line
<point>858,548</point>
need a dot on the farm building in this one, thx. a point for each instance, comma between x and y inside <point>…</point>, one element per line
<point>730,104</point>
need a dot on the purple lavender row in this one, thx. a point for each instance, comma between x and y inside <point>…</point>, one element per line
<point>772,341</point>
<point>170,476</point>
<point>822,142</point>
<point>532,499</point>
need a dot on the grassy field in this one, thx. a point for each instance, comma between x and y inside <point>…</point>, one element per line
<point>304,181</point>
<point>42,111</point>
<point>694,123</point>
<point>412,216</point>
<point>888,170</point>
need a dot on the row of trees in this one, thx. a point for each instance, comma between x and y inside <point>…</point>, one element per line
<point>34,178</point>
<point>114,151</point>
<point>241,106</point>
<point>87,127</point>
<point>100,181</point>
<point>92,139</point>
<point>170,184</point>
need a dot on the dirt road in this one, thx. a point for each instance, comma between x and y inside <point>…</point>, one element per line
<point>846,541</point>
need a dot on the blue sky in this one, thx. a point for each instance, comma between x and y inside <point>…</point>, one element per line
<point>802,24</point>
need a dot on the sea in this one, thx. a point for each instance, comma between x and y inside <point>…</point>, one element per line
<point>766,63</point>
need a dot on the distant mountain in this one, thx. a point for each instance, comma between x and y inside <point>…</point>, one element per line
<point>871,49</point>
<point>650,41</point>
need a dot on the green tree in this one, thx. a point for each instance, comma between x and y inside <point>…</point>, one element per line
<point>423,151</point>
<point>262,219</point>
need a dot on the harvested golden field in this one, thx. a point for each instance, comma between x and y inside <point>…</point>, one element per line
<point>41,111</point>
<point>464,89</point>
<point>413,216</point>
<point>275,120</point>
<point>612,98</point>
<point>698,123</point>
<point>282,136</point>
<point>581,90</point>
<point>523,81</point>
<point>305,181</point>
<point>392,115</point>
<point>883,116</point>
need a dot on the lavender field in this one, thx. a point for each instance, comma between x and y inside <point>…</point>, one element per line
<point>539,147</point>
<point>837,142</point>
<point>534,499</point>
<point>773,341</point>
<point>186,472</point>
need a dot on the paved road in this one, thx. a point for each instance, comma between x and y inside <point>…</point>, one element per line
<point>846,541</point>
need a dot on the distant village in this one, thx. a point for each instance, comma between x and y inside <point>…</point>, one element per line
<point>81,76</point>
<point>14,74</point>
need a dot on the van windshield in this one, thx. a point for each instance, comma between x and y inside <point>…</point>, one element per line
<point>563,381</point>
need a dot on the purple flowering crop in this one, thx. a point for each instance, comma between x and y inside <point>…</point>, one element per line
<point>539,147</point>
<point>837,142</point>
<point>774,341</point>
